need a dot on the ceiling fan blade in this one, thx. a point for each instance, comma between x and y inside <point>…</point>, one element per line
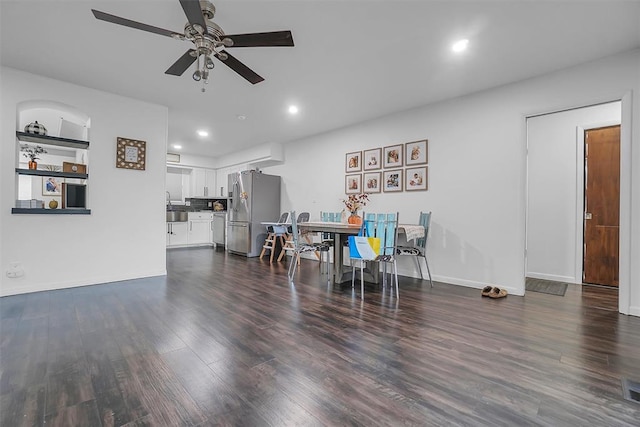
<point>133,24</point>
<point>240,68</point>
<point>275,38</point>
<point>181,65</point>
<point>193,12</point>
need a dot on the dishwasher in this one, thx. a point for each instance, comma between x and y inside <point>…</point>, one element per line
<point>218,226</point>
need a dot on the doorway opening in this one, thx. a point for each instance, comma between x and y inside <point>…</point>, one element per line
<point>557,196</point>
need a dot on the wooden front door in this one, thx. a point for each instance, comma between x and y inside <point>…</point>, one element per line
<point>601,205</point>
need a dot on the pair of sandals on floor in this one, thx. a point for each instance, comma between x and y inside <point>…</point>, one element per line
<point>494,292</point>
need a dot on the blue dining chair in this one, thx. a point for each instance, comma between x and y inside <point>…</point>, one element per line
<point>383,226</point>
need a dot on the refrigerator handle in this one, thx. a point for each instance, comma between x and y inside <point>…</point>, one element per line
<point>235,196</point>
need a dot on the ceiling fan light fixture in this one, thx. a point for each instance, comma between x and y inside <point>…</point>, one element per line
<point>209,63</point>
<point>197,75</point>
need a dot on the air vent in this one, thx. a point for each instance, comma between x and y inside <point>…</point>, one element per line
<point>631,390</point>
<point>173,158</point>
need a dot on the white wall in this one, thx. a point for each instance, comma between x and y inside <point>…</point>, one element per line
<point>124,237</point>
<point>477,171</point>
<point>555,189</point>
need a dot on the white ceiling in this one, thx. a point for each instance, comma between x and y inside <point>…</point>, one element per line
<point>352,60</point>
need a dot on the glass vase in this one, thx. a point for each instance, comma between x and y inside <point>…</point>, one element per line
<point>354,219</point>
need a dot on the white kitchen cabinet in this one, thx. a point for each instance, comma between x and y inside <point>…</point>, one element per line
<point>199,228</point>
<point>222,179</point>
<point>203,183</point>
<point>177,233</point>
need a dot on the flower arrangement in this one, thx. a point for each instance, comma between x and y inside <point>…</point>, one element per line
<point>355,202</point>
<point>32,153</point>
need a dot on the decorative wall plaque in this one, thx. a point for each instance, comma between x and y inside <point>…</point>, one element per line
<point>131,154</point>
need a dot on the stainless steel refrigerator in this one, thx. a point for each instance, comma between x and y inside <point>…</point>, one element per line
<point>253,198</point>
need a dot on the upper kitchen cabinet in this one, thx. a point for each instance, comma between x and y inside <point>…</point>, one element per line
<point>203,183</point>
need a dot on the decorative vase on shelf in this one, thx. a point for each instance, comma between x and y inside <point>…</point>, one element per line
<point>33,164</point>
<point>354,219</point>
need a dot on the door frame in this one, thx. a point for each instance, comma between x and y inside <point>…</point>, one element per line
<point>624,288</point>
<point>580,131</point>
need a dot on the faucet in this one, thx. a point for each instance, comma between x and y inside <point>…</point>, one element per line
<point>168,199</point>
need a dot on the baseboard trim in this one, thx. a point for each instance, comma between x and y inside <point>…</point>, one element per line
<point>39,287</point>
<point>634,311</point>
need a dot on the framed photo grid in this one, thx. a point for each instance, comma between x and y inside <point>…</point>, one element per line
<point>391,169</point>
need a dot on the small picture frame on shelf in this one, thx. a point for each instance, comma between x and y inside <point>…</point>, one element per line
<point>52,186</point>
<point>353,183</point>
<point>416,179</point>
<point>353,162</point>
<point>372,159</point>
<point>392,156</point>
<point>392,181</point>
<point>372,182</point>
<point>416,153</point>
<point>71,130</point>
<point>74,167</point>
<point>131,154</point>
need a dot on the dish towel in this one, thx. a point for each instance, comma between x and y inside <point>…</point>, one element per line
<point>413,231</point>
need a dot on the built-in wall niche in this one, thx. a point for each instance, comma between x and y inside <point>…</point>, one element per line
<point>62,158</point>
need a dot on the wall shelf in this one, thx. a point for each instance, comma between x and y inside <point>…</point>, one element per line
<point>39,172</point>
<point>52,140</point>
<point>40,211</point>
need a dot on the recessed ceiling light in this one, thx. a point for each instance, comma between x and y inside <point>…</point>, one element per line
<point>460,45</point>
<point>203,133</point>
<point>177,146</point>
<point>293,109</point>
<point>241,117</point>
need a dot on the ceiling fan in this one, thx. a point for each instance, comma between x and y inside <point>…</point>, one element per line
<point>208,39</point>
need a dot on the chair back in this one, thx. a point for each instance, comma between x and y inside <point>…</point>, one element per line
<point>284,218</point>
<point>294,229</point>
<point>425,221</point>
<point>384,227</point>
<point>303,217</point>
<point>330,216</point>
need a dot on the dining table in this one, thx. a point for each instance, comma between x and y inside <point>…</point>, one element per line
<point>341,232</point>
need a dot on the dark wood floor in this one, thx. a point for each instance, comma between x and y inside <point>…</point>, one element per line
<point>225,340</point>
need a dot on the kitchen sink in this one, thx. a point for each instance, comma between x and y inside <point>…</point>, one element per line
<point>176,216</point>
